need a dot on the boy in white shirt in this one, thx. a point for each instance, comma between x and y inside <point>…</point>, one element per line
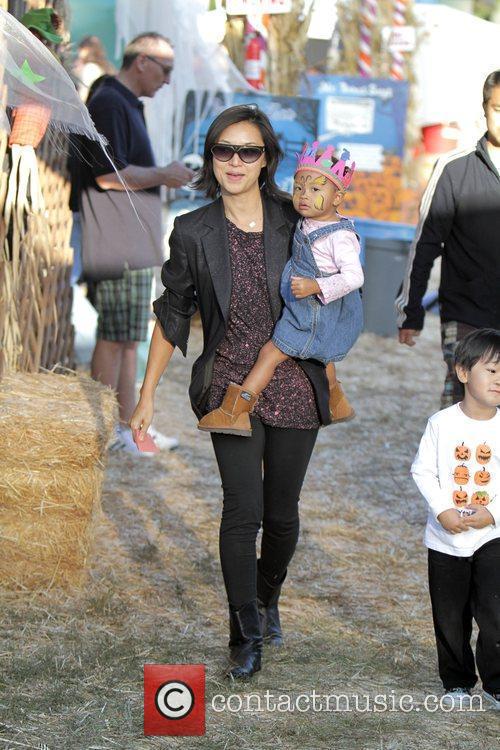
<point>457,470</point>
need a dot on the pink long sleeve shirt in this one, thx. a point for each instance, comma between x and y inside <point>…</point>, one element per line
<point>337,254</point>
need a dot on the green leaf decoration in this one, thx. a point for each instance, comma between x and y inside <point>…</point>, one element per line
<point>29,75</point>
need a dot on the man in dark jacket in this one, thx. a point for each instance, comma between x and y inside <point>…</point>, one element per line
<point>459,221</point>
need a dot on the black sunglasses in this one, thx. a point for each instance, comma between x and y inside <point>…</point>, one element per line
<point>247,154</point>
<point>167,69</point>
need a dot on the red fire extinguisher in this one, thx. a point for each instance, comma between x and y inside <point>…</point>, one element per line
<point>255,63</point>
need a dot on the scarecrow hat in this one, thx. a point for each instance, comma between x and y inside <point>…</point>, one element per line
<point>41,20</point>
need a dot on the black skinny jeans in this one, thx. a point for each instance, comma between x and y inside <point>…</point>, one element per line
<point>462,588</point>
<point>261,480</point>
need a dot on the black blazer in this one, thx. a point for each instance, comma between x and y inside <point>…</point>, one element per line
<point>198,276</point>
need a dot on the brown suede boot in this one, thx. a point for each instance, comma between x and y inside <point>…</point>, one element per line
<point>340,408</point>
<point>232,416</point>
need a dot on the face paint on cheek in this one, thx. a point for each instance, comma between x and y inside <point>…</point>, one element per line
<point>319,202</point>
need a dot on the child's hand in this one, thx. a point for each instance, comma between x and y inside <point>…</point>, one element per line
<point>452,521</point>
<point>304,287</point>
<point>481,518</point>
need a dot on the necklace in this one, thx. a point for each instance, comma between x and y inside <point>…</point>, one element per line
<point>250,224</point>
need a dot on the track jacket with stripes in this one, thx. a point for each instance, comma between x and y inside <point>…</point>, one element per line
<point>459,220</point>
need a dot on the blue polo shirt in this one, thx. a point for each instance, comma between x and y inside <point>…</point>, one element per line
<point>119,116</point>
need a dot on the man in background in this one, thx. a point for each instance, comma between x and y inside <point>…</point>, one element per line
<point>459,221</point>
<point>121,242</point>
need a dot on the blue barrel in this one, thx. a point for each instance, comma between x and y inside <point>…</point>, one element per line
<point>384,254</point>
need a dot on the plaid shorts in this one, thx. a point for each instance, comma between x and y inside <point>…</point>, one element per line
<point>124,306</point>
<point>451,333</point>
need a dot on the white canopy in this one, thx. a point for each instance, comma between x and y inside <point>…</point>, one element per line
<point>456,53</point>
<point>200,62</point>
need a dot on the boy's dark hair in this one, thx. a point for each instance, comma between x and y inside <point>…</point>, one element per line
<point>491,81</point>
<point>483,344</point>
<point>205,179</point>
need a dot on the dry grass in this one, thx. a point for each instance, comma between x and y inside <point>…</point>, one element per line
<point>355,607</point>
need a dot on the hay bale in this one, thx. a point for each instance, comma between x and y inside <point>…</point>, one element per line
<point>44,553</point>
<point>54,432</point>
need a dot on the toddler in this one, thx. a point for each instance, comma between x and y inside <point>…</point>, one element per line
<point>322,315</point>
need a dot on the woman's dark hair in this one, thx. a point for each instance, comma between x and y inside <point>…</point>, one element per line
<point>483,344</point>
<point>491,81</point>
<point>205,179</point>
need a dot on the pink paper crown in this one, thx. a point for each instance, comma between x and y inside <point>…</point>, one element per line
<point>339,173</point>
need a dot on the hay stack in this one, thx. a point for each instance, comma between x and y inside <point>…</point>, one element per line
<point>54,431</point>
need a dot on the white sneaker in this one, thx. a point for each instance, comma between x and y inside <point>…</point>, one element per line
<point>125,442</point>
<point>163,442</point>
<point>493,700</point>
<point>458,697</point>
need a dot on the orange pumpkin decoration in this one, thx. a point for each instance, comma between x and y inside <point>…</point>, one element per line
<point>483,453</point>
<point>480,498</point>
<point>462,453</point>
<point>461,474</point>
<point>460,497</point>
<point>482,477</point>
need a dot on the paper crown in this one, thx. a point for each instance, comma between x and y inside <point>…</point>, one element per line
<point>339,173</point>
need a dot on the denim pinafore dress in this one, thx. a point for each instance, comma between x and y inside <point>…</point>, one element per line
<point>307,328</point>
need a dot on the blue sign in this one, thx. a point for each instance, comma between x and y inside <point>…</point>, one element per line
<point>294,119</point>
<point>367,116</point>
<point>370,112</point>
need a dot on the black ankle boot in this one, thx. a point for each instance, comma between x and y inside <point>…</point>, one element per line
<point>245,641</point>
<point>268,594</point>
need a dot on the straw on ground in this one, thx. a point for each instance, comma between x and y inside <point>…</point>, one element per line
<point>355,608</point>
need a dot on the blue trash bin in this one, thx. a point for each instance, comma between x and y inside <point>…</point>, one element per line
<point>384,254</point>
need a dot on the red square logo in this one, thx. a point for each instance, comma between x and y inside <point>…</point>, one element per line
<point>174,699</point>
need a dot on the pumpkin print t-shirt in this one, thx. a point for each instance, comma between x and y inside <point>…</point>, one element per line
<point>458,466</point>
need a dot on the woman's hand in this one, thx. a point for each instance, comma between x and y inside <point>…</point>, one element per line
<point>142,416</point>
<point>304,287</point>
<point>160,351</point>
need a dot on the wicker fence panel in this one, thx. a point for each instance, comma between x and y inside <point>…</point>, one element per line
<point>35,264</point>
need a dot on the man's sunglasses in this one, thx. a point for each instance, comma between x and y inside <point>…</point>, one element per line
<point>167,69</point>
<point>247,154</point>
